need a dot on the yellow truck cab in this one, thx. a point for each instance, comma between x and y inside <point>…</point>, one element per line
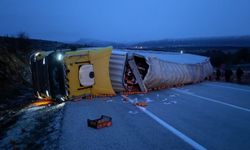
<point>87,72</point>
<point>65,75</point>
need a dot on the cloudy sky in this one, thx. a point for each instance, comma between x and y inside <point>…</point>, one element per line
<point>124,20</point>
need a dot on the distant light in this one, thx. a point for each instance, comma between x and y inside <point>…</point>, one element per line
<point>43,61</point>
<point>59,57</point>
<point>181,51</point>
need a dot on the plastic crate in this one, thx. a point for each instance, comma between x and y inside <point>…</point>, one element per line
<point>103,121</point>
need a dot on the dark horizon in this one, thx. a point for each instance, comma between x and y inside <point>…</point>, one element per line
<point>134,42</point>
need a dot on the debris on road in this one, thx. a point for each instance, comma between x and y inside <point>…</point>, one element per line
<point>166,103</point>
<point>141,104</point>
<point>135,100</point>
<point>148,100</point>
<point>165,99</point>
<point>174,102</point>
<point>174,95</point>
<point>103,121</point>
<point>108,101</point>
<point>133,112</point>
<point>170,102</point>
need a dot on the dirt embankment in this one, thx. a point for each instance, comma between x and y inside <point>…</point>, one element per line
<point>14,69</point>
<point>15,75</point>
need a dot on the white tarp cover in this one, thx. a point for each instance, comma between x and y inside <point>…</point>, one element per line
<point>173,68</point>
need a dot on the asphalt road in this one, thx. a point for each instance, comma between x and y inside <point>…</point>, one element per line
<point>208,115</point>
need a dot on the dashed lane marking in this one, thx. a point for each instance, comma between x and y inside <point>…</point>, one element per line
<point>228,87</point>
<point>211,100</point>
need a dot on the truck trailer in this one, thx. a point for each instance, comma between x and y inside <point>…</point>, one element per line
<point>66,75</point>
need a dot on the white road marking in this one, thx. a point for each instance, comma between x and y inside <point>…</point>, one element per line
<point>176,132</point>
<point>210,99</point>
<point>228,87</point>
<point>185,138</point>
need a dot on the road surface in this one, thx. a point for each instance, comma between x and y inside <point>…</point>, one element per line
<point>208,115</point>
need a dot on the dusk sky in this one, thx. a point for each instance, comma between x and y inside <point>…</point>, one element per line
<point>124,20</point>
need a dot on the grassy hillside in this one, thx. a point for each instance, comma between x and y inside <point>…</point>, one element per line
<point>15,74</point>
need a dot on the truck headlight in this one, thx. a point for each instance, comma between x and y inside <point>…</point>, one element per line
<point>59,57</point>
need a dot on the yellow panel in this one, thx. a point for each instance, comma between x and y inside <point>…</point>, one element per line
<point>100,61</point>
<point>99,58</point>
<point>72,62</point>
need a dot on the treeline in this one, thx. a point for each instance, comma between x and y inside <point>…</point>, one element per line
<point>22,43</point>
<point>229,58</point>
<point>19,43</point>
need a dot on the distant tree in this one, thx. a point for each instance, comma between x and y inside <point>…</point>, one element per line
<point>23,42</point>
<point>243,55</point>
<point>217,58</point>
<point>73,47</point>
<point>6,36</point>
<point>22,35</point>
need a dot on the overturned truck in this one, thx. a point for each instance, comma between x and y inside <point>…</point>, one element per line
<point>66,75</point>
